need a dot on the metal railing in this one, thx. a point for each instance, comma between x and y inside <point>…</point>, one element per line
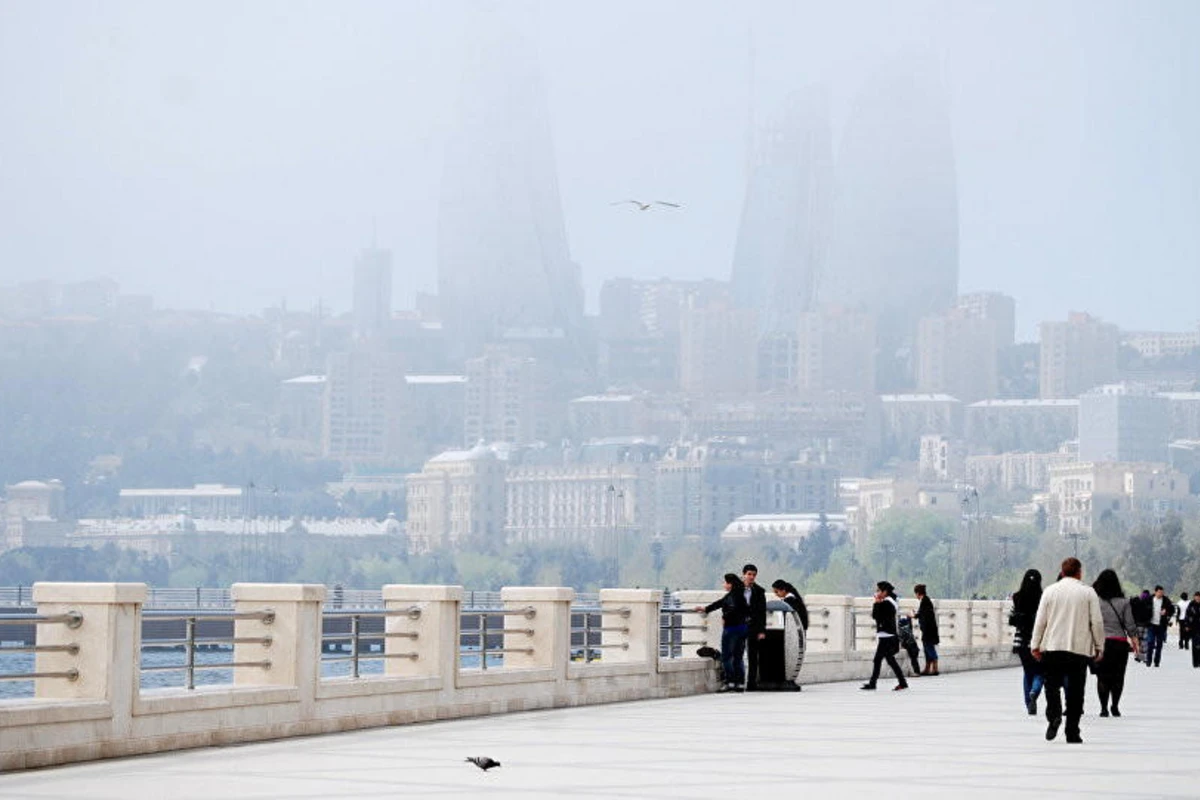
<point>357,637</point>
<point>674,622</point>
<point>191,642</point>
<point>486,649</point>
<point>71,619</point>
<point>591,626</point>
<point>818,622</point>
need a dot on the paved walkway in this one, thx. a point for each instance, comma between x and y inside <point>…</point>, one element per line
<point>952,736</point>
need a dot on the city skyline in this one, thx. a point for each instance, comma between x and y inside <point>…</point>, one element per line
<point>232,181</point>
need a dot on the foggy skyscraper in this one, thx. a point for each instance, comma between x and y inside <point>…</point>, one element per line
<point>783,237</point>
<point>895,247</point>
<point>372,292</point>
<point>503,260</point>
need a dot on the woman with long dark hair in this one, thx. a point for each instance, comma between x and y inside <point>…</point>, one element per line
<point>1119,630</point>
<point>1025,606</point>
<point>791,595</point>
<point>735,615</point>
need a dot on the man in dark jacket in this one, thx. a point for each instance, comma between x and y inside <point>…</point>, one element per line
<point>884,613</point>
<point>1161,612</point>
<point>1192,617</point>
<point>756,600</point>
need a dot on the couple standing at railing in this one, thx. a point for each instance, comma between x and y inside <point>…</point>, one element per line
<point>744,626</point>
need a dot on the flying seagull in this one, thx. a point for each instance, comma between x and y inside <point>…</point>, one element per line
<point>483,762</point>
<point>646,206</point>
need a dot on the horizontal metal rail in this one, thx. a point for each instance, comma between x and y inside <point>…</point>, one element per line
<point>412,612</point>
<point>72,648</point>
<point>70,675</point>
<point>487,631</point>
<point>225,665</point>
<point>265,641</point>
<point>265,616</point>
<point>529,612</point>
<point>72,619</point>
<point>371,657</point>
<point>493,650</point>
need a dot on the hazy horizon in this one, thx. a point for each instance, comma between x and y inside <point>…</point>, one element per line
<point>230,155</point>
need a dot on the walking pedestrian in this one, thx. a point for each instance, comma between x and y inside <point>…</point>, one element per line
<point>1120,637</point>
<point>884,612</point>
<point>734,613</point>
<point>756,601</point>
<point>1185,630</point>
<point>927,621</point>
<point>1067,632</point>
<point>1141,607</point>
<point>908,641</point>
<point>1192,615</point>
<point>1161,611</point>
<point>1025,606</point>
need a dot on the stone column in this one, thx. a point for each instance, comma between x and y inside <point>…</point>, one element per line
<point>433,624</point>
<point>108,636</point>
<point>294,649</point>
<point>637,611</point>
<point>550,623</point>
<point>712,623</point>
<point>954,622</point>
<point>830,619</point>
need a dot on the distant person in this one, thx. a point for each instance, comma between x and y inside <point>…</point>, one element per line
<point>1025,606</point>
<point>1161,611</point>
<point>1120,637</point>
<point>756,601</point>
<point>734,613</point>
<point>791,595</point>
<point>1141,607</point>
<point>928,623</point>
<point>1192,615</point>
<point>1067,632</point>
<point>884,612</point>
<point>908,642</point>
<point>1185,629</point>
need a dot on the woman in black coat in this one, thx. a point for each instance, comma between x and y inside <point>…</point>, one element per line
<point>791,595</point>
<point>735,615</point>
<point>927,620</point>
<point>1025,607</point>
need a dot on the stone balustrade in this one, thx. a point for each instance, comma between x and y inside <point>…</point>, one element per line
<point>278,690</point>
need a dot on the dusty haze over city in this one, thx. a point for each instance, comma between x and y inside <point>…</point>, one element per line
<point>227,155</point>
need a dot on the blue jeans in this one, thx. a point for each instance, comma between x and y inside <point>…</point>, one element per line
<point>1033,679</point>
<point>930,651</point>
<point>733,649</point>
<point>1155,636</point>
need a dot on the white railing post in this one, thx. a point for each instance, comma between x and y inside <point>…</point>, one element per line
<point>549,646</point>
<point>432,627</point>
<point>688,600</point>
<point>637,611</point>
<point>294,628</point>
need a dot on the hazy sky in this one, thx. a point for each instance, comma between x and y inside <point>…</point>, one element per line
<point>233,153</point>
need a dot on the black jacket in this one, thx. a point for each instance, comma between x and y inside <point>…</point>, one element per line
<point>734,610</point>
<point>927,619</point>
<point>1142,609</point>
<point>884,614</point>
<point>1024,614</point>
<point>797,604</point>
<point>1191,616</point>
<point>758,608</point>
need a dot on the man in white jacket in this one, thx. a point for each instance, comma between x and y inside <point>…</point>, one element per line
<point>1067,632</point>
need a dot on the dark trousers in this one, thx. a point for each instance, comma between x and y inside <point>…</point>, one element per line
<point>910,647</point>
<point>1196,652</point>
<point>1185,636</point>
<point>1110,672</point>
<point>886,650</point>
<point>1059,668</point>
<point>1155,636</point>
<point>1033,678</point>
<point>752,643</point>
<point>733,648</point>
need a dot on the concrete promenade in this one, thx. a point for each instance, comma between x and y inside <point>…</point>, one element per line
<point>958,735</point>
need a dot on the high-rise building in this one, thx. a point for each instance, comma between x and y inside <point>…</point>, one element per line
<point>836,350</point>
<point>1077,355</point>
<point>1000,308</point>
<point>372,293</point>
<point>506,400</point>
<point>364,405</point>
<point>1124,422</point>
<point>503,259</point>
<point>783,237</point>
<point>1003,426</point>
<point>1085,494</point>
<point>956,355</point>
<point>895,244</point>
